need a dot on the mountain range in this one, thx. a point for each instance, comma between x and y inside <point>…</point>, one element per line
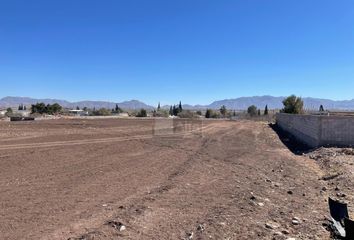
<point>236,103</point>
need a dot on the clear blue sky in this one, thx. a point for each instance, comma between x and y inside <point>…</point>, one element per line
<point>196,51</point>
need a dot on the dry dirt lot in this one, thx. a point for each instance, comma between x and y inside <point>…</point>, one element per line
<point>84,179</point>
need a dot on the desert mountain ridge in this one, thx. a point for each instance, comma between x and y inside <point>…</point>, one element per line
<point>236,103</point>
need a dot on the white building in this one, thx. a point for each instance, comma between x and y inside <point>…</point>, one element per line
<point>78,112</point>
<point>3,112</point>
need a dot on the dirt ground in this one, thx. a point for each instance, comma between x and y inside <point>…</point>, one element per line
<point>156,179</point>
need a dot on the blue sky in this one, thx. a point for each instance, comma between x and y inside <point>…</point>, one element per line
<point>196,51</point>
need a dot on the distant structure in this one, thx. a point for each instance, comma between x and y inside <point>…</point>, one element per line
<point>2,112</point>
<point>78,112</point>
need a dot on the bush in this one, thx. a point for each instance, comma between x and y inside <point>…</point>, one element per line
<point>187,114</point>
<point>211,114</point>
<point>293,105</point>
<point>8,112</point>
<point>161,113</point>
<point>223,110</point>
<point>252,111</point>
<point>208,113</point>
<point>142,113</point>
<point>101,112</point>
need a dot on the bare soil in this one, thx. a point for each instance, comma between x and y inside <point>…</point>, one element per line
<point>86,179</point>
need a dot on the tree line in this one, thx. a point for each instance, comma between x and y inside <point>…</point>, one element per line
<point>292,105</point>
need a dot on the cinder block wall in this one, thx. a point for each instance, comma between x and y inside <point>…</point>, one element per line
<point>316,131</point>
<point>306,128</point>
<point>337,131</point>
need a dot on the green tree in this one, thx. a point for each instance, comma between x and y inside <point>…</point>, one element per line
<point>252,110</point>
<point>53,109</point>
<point>223,110</point>
<point>117,109</point>
<point>40,108</point>
<point>266,111</point>
<point>8,112</point>
<point>259,112</point>
<point>158,107</point>
<point>180,109</point>
<point>77,108</point>
<point>142,113</point>
<point>321,108</point>
<point>293,105</point>
<point>208,113</point>
<point>175,110</point>
<point>171,111</point>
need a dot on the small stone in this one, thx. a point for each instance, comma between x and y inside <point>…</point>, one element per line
<point>295,222</point>
<point>324,189</point>
<point>190,235</point>
<point>269,226</point>
<point>341,195</point>
<point>290,192</point>
<point>261,204</point>
<point>201,228</point>
<point>285,232</point>
<point>122,228</point>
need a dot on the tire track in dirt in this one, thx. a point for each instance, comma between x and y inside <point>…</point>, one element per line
<point>101,140</point>
<point>137,210</point>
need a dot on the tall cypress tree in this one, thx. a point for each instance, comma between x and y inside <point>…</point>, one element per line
<point>266,112</point>
<point>175,110</point>
<point>158,107</point>
<point>171,111</point>
<point>180,106</point>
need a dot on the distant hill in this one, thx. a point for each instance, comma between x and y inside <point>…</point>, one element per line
<point>276,103</point>
<point>237,103</point>
<point>15,101</point>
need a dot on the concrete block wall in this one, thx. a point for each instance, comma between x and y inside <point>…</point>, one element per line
<point>306,128</point>
<point>316,130</point>
<point>337,131</point>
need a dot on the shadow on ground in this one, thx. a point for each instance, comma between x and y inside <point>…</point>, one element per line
<point>290,142</point>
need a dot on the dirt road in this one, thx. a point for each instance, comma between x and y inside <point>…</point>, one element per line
<point>82,179</point>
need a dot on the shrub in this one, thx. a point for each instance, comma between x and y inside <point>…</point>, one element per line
<point>211,114</point>
<point>142,113</point>
<point>101,112</point>
<point>223,110</point>
<point>187,114</point>
<point>161,113</point>
<point>252,110</point>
